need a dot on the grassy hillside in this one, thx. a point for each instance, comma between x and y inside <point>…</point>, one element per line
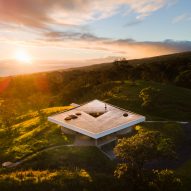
<point>38,91</point>
<point>27,100</point>
<point>73,168</point>
<point>173,58</point>
<point>173,103</point>
<point>63,168</point>
<point>29,133</point>
<point>60,168</point>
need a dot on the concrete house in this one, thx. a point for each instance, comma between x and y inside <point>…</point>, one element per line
<point>96,123</point>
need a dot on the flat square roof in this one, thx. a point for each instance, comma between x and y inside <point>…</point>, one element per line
<point>106,119</point>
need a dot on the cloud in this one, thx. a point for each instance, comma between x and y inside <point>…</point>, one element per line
<point>133,23</point>
<point>71,36</point>
<point>56,24</point>
<point>41,14</point>
<point>180,46</point>
<point>116,47</point>
<point>180,18</point>
<point>87,42</point>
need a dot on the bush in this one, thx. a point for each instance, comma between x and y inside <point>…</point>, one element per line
<point>165,180</point>
<point>149,97</point>
<point>137,151</point>
<point>184,79</point>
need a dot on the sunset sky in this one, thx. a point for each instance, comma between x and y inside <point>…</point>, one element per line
<point>90,29</point>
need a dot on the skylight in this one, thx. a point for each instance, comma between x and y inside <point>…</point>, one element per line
<point>95,114</point>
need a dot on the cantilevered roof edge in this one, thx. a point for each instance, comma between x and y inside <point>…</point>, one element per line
<point>98,135</point>
<point>72,127</point>
<point>120,127</point>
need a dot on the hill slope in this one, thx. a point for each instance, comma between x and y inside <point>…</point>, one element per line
<point>24,128</point>
<point>29,133</point>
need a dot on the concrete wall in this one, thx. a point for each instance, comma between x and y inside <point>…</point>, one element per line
<point>106,139</point>
<point>67,131</point>
<point>124,131</point>
<point>83,140</point>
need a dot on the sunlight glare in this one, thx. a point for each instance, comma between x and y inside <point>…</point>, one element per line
<point>23,57</point>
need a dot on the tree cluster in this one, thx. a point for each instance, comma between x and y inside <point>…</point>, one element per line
<point>136,152</point>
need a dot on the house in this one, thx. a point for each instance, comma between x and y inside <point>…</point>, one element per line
<point>96,122</point>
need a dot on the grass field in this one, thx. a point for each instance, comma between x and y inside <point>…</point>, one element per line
<point>64,168</point>
<point>30,133</point>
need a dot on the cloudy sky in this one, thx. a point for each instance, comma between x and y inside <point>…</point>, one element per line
<point>92,29</point>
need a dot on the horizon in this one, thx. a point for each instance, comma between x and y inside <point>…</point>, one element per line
<point>39,66</point>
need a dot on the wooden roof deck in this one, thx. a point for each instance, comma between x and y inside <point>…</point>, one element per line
<point>111,121</point>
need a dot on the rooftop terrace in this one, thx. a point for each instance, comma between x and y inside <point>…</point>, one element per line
<point>96,119</point>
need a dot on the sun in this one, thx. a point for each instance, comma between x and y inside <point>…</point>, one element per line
<point>23,57</point>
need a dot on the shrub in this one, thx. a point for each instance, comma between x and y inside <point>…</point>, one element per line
<point>149,97</point>
<point>184,79</point>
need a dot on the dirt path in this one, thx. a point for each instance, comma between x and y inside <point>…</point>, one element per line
<point>179,122</point>
<point>14,164</point>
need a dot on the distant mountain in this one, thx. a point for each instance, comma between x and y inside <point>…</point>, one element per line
<point>107,63</point>
<point>11,67</point>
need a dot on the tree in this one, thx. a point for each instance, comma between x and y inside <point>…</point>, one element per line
<point>150,97</point>
<point>39,101</point>
<point>135,152</point>
<point>8,113</point>
<point>184,79</point>
<point>165,180</point>
<point>122,64</point>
